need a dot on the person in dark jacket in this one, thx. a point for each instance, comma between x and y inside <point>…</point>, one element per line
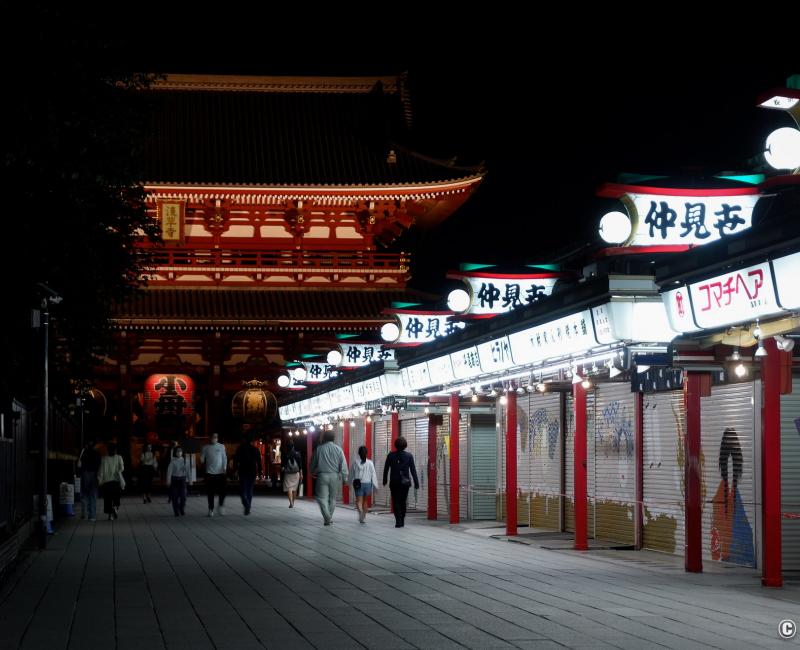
<point>247,462</point>
<point>89,464</point>
<point>401,465</point>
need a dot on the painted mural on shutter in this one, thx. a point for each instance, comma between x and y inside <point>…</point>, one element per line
<point>540,440</point>
<point>728,491</point>
<point>790,478</point>
<point>615,463</point>
<point>664,416</point>
<point>483,466</point>
<point>380,430</point>
<point>569,464</point>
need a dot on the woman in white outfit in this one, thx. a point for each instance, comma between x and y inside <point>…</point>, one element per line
<point>364,479</point>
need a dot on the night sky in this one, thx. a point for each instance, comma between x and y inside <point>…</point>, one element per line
<point>551,120</point>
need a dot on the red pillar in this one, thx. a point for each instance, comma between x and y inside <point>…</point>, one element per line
<point>511,463</point>
<point>579,439</point>
<point>454,470</point>
<point>368,445</point>
<point>771,573</point>
<point>395,433</point>
<point>309,453</point>
<point>432,504</point>
<point>639,445</point>
<point>346,449</point>
<point>692,391</point>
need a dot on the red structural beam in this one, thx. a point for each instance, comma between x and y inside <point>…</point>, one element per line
<point>346,448</point>
<point>511,463</point>
<point>455,515</point>
<point>639,445</point>
<point>395,434</point>
<point>433,506</point>
<point>692,392</point>
<point>368,445</point>
<point>579,440</point>
<point>309,452</point>
<point>771,573</point>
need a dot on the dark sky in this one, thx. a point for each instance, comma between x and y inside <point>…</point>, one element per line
<point>552,115</point>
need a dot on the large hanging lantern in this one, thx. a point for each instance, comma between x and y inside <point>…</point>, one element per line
<point>253,404</point>
<point>168,398</point>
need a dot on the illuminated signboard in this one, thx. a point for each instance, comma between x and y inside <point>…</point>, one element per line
<point>466,363</point>
<point>418,327</point>
<point>489,294</point>
<point>440,371</point>
<point>495,355</point>
<point>318,372</point>
<point>561,337</point>
<point>358,355</point>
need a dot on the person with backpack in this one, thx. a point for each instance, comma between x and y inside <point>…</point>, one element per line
<point>292,468</point>
<point>401,465</point>
<point>247,463</point>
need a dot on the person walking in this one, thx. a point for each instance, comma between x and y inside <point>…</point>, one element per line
<point>292,468</point>
<point>364,480</point>
<point>328,467</point>
<point>247,463</point>
<point>177,479</point>
<point>215,459</point>
<point>109,476</point>
<point>148,465</point>
<point>89,464</point>
<point>401,465</point>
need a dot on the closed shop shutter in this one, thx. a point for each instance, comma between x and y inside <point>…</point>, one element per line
<point>381,433</point>
<point>728,442</point>
<point>443,469</point>
<point>664,432</point>
<point>615,463</point>
<point>541,434</point>
<point>569,464</point>
<point>463,465</point>
<point>408,429</point>
<point>421,462</point>
<point>790,477</point>
<point>483,466</point>
<point>339,431</point>
<point>356,440</point>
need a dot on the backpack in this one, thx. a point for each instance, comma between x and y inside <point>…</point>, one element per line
<point>292,466</point>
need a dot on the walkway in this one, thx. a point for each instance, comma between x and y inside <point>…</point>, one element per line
<point>279,579</point>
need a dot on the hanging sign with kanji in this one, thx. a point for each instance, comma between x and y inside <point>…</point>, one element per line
<point>358,355</point>
<point>418,327</point>
<point>498,293</point>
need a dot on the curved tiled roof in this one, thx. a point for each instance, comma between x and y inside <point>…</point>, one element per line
<point>282,136</point>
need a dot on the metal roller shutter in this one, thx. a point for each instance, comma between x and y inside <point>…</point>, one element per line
<point>728,440</point>
<point>381,432</point>
<point>463,465</point>
<point>408,429</point>
<point>663,472</point>
<point>615,463</point>
<point>524,458</point>
<point>483,466</point>
<point>541,433</point>
<point>443,469</point>
<point>790,477</point>
<point>356,440</point>
<point>421,463</point>
<point>569,464</point>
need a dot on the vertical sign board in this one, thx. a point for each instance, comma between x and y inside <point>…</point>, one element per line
<point>440,371</point>
<point>466,363</point>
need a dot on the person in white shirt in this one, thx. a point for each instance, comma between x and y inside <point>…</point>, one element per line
<point>177,477</point>
<point>364,480</point>
<point>216,462</point>
<point>109,477</point>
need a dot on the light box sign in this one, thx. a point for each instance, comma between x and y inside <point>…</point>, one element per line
<point>679,310</point>
<point>440,370</point>
<point>417,376</point>
<point>358,355</point>
<point>365,391</point>
<point>421,327</point>
<point>787,280</point>
<point>495,355</point>
<point>734,297</point>
<point>558,338</point>
<point>498,293</point>
<point>319,372</point>
<point>466,363</point>
<point>690,217</point>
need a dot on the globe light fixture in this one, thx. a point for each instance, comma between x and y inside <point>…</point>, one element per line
<point>740,370</point>
<point>283,380</point>
<point>334,357</point>
<point>783,148</point>
<point>615,227</point>
<point>458,300</point>
<point>299,373</point>
<point>390,332</point>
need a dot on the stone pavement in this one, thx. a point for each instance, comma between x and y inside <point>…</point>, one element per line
<point>279,579</point>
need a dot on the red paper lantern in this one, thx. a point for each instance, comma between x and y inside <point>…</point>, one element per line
<point>168,397</point>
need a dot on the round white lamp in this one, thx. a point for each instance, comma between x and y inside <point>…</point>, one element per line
<point>783,148</point>
<point>615,227</point>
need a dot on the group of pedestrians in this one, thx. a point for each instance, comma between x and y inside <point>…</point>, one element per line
<point>328,467</point>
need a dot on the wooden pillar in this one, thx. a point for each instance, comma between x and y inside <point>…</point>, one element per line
<point>433,506</point>
<point>346,448</point>
<point>511,462</point>
<point>771,570</point>
<point>693,508</point>
<point>368,445</point>
<point>455,515</point>
<point>581,501</point>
